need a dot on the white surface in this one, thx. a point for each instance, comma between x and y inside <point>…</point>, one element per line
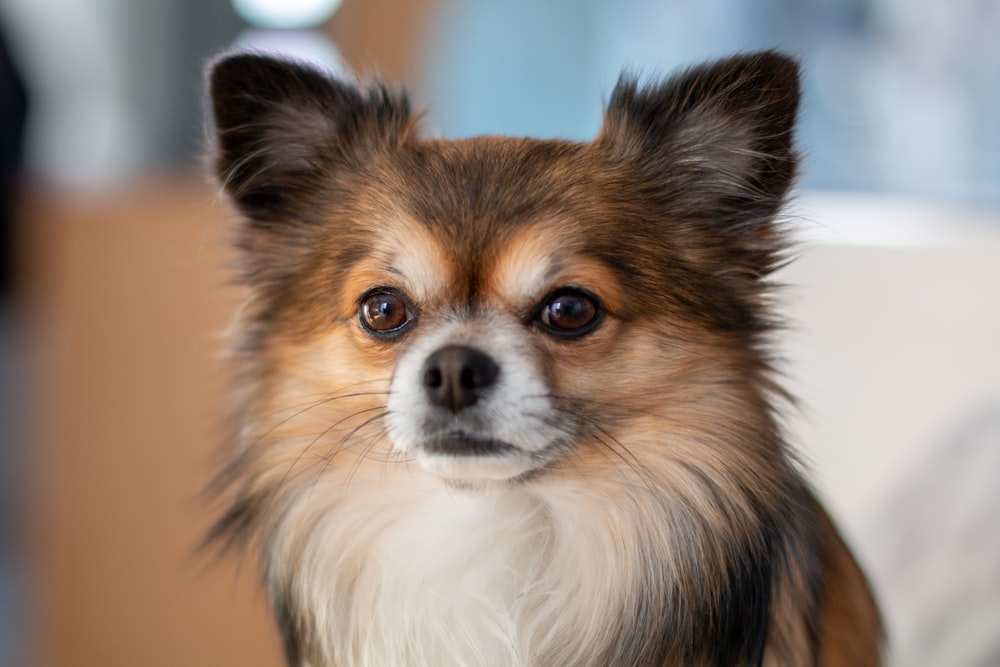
<point>831,218</point>
<point>894,350</point>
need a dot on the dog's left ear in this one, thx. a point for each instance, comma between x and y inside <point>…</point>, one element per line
<point>284,130</point>
<point>287,138</point>
<point>713,145</point>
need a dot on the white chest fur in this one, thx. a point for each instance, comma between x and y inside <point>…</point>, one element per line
<point>428,576</point>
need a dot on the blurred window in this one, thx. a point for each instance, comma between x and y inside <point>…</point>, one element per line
<point>901,96</point>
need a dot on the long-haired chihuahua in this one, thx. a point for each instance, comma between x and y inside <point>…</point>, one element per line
<point>511,401</point>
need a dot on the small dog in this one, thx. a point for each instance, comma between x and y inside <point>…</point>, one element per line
<point>510,401</point>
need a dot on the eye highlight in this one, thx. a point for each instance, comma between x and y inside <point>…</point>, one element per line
<point>384,312</point>
<point>569,312</point>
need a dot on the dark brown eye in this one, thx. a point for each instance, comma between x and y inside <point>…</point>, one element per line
<point>383,311</point>
<point>569,313</point>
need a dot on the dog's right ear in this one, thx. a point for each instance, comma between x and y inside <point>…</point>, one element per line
<point>284,129</point>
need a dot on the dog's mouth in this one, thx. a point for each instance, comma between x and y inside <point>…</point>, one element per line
<point>466,445</point>
<point>466,458</point>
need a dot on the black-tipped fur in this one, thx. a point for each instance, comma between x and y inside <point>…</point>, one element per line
<point>283,126</point>
<point>716,137</point>
<point>714,147</point>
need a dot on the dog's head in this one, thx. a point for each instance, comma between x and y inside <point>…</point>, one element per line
<point>496,308</point>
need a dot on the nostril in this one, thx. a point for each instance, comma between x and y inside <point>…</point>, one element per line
<point>432,378</point>
<point>479,371</point>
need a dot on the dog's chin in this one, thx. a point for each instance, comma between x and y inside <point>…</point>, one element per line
<point>469,461</point>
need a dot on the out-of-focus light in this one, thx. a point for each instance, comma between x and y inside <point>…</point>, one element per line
<point>307,45</point>
<point>286,13</point>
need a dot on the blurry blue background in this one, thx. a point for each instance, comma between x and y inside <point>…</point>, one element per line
<point>900,96</point>
<point>111,286</point>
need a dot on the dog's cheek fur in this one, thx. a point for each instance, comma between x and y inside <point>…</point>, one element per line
<point>656,417</point>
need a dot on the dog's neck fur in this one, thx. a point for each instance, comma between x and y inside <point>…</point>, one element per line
<point>565,573</point>
<point>453,578</point>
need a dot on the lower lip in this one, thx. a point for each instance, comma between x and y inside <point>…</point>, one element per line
<point>465,446</point>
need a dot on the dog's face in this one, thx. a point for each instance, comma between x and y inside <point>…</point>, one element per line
<point>494,309</point>
<point>510,325</point>
<point>487,358</point>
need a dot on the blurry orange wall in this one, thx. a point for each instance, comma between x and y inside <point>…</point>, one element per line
<point>127,292</point>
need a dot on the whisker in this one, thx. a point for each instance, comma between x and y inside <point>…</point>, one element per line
<point>365,454</point>
<point>328,458</point>
<point>304,408</point>
<point>598,434</point>
<point>323,433</point>
<point>332,394</point>
<point>628,457</point>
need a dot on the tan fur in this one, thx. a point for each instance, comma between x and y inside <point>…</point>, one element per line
<point>852,627</point>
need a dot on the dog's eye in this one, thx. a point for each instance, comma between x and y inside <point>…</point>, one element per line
<point>569,313</point>
<point>383,311</point>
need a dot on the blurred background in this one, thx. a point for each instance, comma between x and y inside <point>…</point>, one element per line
<point>113,286</point>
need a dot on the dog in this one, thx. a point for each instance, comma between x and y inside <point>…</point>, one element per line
<point>509,401</point>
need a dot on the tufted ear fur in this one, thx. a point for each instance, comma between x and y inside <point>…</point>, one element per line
<point>713,146</point>
<point>284,129</point>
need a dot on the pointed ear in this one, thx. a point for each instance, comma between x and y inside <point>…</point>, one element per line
<point>283,129</point>
<point>714,145</point>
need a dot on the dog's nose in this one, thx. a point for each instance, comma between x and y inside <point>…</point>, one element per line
<point>456,376</point>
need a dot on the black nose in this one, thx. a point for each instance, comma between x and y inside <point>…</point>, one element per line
<point>456,376</point>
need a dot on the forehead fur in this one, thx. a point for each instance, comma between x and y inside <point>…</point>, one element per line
<point>506,211</point>
<point>474,194</point>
